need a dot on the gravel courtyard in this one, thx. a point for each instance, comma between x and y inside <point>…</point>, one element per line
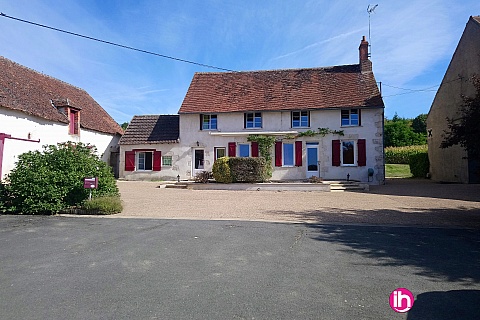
<point>398,202</point>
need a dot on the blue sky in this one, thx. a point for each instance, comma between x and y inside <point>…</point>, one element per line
<point>412,44</point>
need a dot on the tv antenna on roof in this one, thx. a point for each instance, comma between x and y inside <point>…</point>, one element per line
<point>370,9</point>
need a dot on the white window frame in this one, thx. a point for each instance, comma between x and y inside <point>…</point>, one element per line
<point>167,161</point>
<point>137,160</point>
<point>284,157</point>
<point>300,119</point>
<point>355,153</point>
<point>349,117</point>
<point>209,123</point>
<point>216,149</point>
<point>253,123</point>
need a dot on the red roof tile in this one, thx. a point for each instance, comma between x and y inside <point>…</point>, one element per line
<point>292,89</point>
<point>29,91</point>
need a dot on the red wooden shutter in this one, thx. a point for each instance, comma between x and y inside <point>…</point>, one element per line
<point>129,160</point>
<point>232,149</point>
<point>157,161</point>
<point>278,154</point>
<point>298,153</point>
<point>254,149</point>
<point>336,153</point>
<point>362,152</point>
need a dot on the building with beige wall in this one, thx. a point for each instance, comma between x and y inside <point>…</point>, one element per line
<point>452,164</point>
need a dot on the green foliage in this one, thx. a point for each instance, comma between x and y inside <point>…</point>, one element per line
<point>248,169</point>
<point>401,155</point>
<point>419,164</point>
<point>465,131</point>
<point>203,177</point>
<point>321,131</point>
<point>103,205</point>
<point>265,144</point>
<point>221,171</point>
<point>399,132</point>
<point>49,181</point>
<point>419,124</point>
<point>124,125</point>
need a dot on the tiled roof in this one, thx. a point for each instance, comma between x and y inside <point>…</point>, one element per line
<point>293,89</point>
<point>29,91</point>
<point>152,129</point>
<point>476,18</point>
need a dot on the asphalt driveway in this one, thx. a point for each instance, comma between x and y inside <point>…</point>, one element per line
<point>94,268</point>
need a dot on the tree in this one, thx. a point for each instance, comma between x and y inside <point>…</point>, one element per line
<point>124,125</point>
<point>399,133</point>
<point>52,180</point>
<point>419,124</point>
<point>465,130</point>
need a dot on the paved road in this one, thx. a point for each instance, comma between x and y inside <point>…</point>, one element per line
<point>103,268</point>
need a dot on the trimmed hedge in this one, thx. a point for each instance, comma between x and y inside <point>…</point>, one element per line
<point>419,165</point>
<point>221,171</point>
<point>401,155</point>
<point>240,169</point>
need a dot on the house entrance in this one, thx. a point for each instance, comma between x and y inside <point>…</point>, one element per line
<point>313,168</point>
<point>198,161</point>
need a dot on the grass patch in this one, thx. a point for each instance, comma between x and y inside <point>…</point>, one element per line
<point>103,205</point>
<point>397,171</point>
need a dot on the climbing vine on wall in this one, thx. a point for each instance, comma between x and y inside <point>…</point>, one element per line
<point>265,144</point>
<point>321,131</point>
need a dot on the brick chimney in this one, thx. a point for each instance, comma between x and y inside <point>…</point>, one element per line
<point>365,64</point>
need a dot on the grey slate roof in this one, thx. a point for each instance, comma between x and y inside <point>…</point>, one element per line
<point>148,129</point>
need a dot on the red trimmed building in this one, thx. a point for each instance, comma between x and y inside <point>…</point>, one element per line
<point>37,110</point>
<point>327,122</point>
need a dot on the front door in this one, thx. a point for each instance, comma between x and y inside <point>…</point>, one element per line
<point>198,161</point>
<point>312,160</point>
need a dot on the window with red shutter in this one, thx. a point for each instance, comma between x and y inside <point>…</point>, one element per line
<point>129,160</point>
<point>336,153</point>
<point>232,149</point>
<point>278,154</point>
<point>362,152</point>
<point>157,160</point>
<point>298,153</point>
<point>254,149</point>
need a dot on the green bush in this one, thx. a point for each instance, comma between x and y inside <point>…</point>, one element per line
<point>49,181</point>
<point>419,165</point>
<point>401,155</point>
<point>103,205</point>
<point>248,169</point>
<point>221,171</point>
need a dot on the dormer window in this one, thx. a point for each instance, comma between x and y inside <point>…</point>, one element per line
<point>74,117</point>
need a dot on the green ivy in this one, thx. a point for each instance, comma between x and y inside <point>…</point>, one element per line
<point>321,131</point>
<point>265,144</point>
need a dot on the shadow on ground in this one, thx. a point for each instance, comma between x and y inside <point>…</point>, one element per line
<point>439,305</point>
<point>428,188</point>
<point>441,254</point>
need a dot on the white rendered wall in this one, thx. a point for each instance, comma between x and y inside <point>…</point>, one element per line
<point>20,125</point>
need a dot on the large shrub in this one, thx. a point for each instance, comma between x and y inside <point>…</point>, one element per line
<point>419,165</point>
<point>221,170</point>
<point>248,169</point>
<point>52,180</point>
<point>240,169</point>
<point>103,205</point>
<point>401,155</point>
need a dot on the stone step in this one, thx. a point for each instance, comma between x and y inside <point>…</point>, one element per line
<point>176,186</point>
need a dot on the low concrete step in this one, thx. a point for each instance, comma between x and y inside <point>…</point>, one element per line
<point>347,186</point>
<point>176,186</point>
